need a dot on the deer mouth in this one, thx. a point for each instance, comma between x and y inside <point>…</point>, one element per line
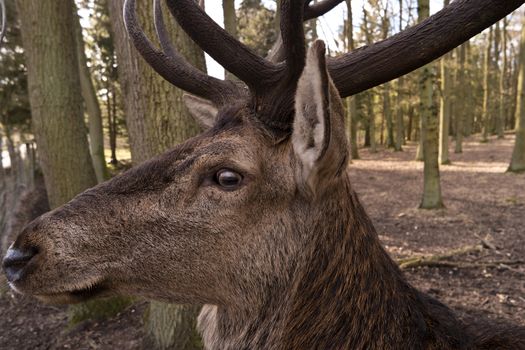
<point>75,295</point>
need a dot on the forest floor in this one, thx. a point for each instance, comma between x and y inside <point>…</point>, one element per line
<point>482,204</point>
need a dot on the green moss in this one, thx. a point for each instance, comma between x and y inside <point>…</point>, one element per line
<point>97,309</point>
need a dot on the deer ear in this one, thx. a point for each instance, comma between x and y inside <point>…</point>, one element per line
<point>202,110</point>
<point>318,138</point>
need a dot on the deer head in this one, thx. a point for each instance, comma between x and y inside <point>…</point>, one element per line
<point>228,217</point>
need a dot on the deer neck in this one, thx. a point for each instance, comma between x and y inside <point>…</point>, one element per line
<point>344,292</point>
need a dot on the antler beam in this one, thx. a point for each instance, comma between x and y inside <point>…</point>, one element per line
<point>172,66</point>
<point>400,54</point>
<point>254,70</point>
<point>319,9</point>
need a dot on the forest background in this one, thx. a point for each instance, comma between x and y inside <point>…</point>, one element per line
<point>108,111</point>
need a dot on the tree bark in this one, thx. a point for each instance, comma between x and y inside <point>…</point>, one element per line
<point>517,162</point>
<point>460,105</point>
<point>429,130</point>
<point>55,97</point>
<point>486,93</point>
<point>500,126</point>
<point>56,108</point>
<point>445,109</point>
<point>398,144</point>
<point>351,101</point>
<point>157,120</point>
<point>96,135</point>
<point>230,24</point>
<point>371,96</point>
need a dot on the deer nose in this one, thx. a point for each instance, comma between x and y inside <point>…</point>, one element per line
<point>15,262</point>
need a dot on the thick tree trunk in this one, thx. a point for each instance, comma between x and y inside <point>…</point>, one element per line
<point>157,120</point>
<point>517,162</point>
<point>56,109</point>
<point>486,93</point>
<point>429,130</point>
<point>96,135</point>
<point>55,97</point>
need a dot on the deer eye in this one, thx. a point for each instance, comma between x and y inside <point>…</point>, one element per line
<point>228,179</point>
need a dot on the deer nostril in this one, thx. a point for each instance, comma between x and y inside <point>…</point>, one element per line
<point>15,261</point>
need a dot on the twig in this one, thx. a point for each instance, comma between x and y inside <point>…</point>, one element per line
<point>433,260</point>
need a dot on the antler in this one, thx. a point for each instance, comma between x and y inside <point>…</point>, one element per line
<point>170,64</point>
<point>3,21</point>
<point>245,64</point>
<point>319,9</point>
<point>400,54</point>
<point>272,85</point>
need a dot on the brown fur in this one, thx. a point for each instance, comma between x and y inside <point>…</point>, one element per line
<point>289,260</point>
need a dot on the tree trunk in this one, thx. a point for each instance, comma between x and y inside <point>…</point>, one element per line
<point>461,101</point>
<point>351,101</point>
<point>230,23</point>
<point>55,97</point>
<point>56,109</point>
<point>157,120</point>
<point>429,130</point>
<point>486,93</point>
<point>96,135</point>
<point>517,162</point>
<point>399,137</point>
<point>444,110</point>
<point>373,100</point>
<point>500,125</point>
<point>371,97</point>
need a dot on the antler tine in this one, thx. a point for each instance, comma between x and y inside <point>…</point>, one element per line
<point>3,19</point>
<point>292,32</point>
<point>249,67</point>
<point>172,66</point>
<point>319,9</point>
<point>162,33</point>
<point>402,53</point>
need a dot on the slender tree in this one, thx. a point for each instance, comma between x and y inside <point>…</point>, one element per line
<point>460,100</point>
<point>398,144</point>
<point>486,92</point>
<point>351,102</point>
<point>517,162</point>
<point>96,136</point>
<point>230,22</point>
<point>445,105</point>
<point>429,129</point>
<point>371,99</point>
<point>500,125</point>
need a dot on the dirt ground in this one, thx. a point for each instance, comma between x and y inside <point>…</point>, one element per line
<point>482,202</point>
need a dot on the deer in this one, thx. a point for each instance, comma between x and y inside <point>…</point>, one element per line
<point>256,217</point>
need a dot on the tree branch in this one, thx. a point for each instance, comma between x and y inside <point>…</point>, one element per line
<point>404,52</point>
